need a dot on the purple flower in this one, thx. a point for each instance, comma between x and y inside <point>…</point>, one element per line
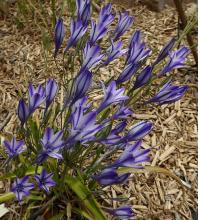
<point>91,57</point>
<point>23,111</point>
<point>14,147</point>
<point>51,145</point>
<point>99,29</point>
<point>83,10</point>
<point>127,73</point>
<point>124,212</point>
<point>81,103</point>
<point>50,90</point>
<point>38,90</point>
<point>165,51</point>
<point>122,113</point>
<point>111,95</point>
<point>124,23</point>
<point>114,51</point>
<point>109,176</point>
<point>169,93</point>
<point>143,78</point>
<point>119,127</point>
<point>82,84</point>
<point>77,31</point>
<point>177,59</point>
<point>105,16</point>
<point>97,32</point>
<point>137,50</point>
<point>132,156</point>
<point>138,131</point>
<point>36,97</point>
<point>59,34</point>
<point>113,137</point>
<point>84,126</point>
<point>45,180</point>
<point>21,187</point>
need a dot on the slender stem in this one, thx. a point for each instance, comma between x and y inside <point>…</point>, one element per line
<point>103,157</point>
<point>184,22</point>
<point>41,210</point>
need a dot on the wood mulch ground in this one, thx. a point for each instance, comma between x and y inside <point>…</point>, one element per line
<point>174,140</point>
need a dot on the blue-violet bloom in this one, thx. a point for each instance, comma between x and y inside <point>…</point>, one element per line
<point>129,70</point>
<point>45,180</point>
<point>169,94</point>
<point>84,126</point>
<point>111,95</point>
<point>51,145</point>
<point>137,50</point>
<point>119,127</point>
<point>100,28</point>
<point>138,131</point>
<point>77,31</point>
<point>122,113</point>
<point>81,103</point>
<point>14,147</point>
<point>143,78</point>
<point>165,51</point>
<point>109,176</point>
<point>91,57</point>
<point>21,187</point>
<point>113,138</point>
<point>23,111</point>
<point>177,59</point>
<point>36,97</point>
<point>133,156</point>
<point>124,23</point>
<point>114,51</point>
<point>59,34</point>
<point>124,212</point>
<point>97,32</point>
<point>50,91</point>
<point>81,84</point>
<point>106,17</point>
<point>83,10</point>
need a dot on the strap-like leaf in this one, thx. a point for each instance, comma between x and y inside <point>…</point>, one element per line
<point>6,197</point>
<point>86,196</point>
<point>154,169</point>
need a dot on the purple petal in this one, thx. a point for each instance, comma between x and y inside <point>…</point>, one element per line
<point>51,90</point>
<point>47,135</point>
<point>23,112</point>
<point>59,34</point>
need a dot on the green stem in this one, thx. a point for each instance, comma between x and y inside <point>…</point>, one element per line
<point>6,197</point>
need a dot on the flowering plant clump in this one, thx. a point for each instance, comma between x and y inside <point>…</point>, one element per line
<point>67,153</point>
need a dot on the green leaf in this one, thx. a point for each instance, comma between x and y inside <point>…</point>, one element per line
<point>6,197</point>
<point>82,213</point>
<point>46,41</point>
<point>104,132</point>
<point>35,132</point>
<point>53,9</point>
<point>153,169</point>
<point>30,171</point>
<point>57,217</point>
<point>104,114</point>
<point>34,197</point>
<point>86,196</point>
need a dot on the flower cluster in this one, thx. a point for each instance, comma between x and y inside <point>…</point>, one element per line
<point>37,96</point>
<point>79,139</point>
